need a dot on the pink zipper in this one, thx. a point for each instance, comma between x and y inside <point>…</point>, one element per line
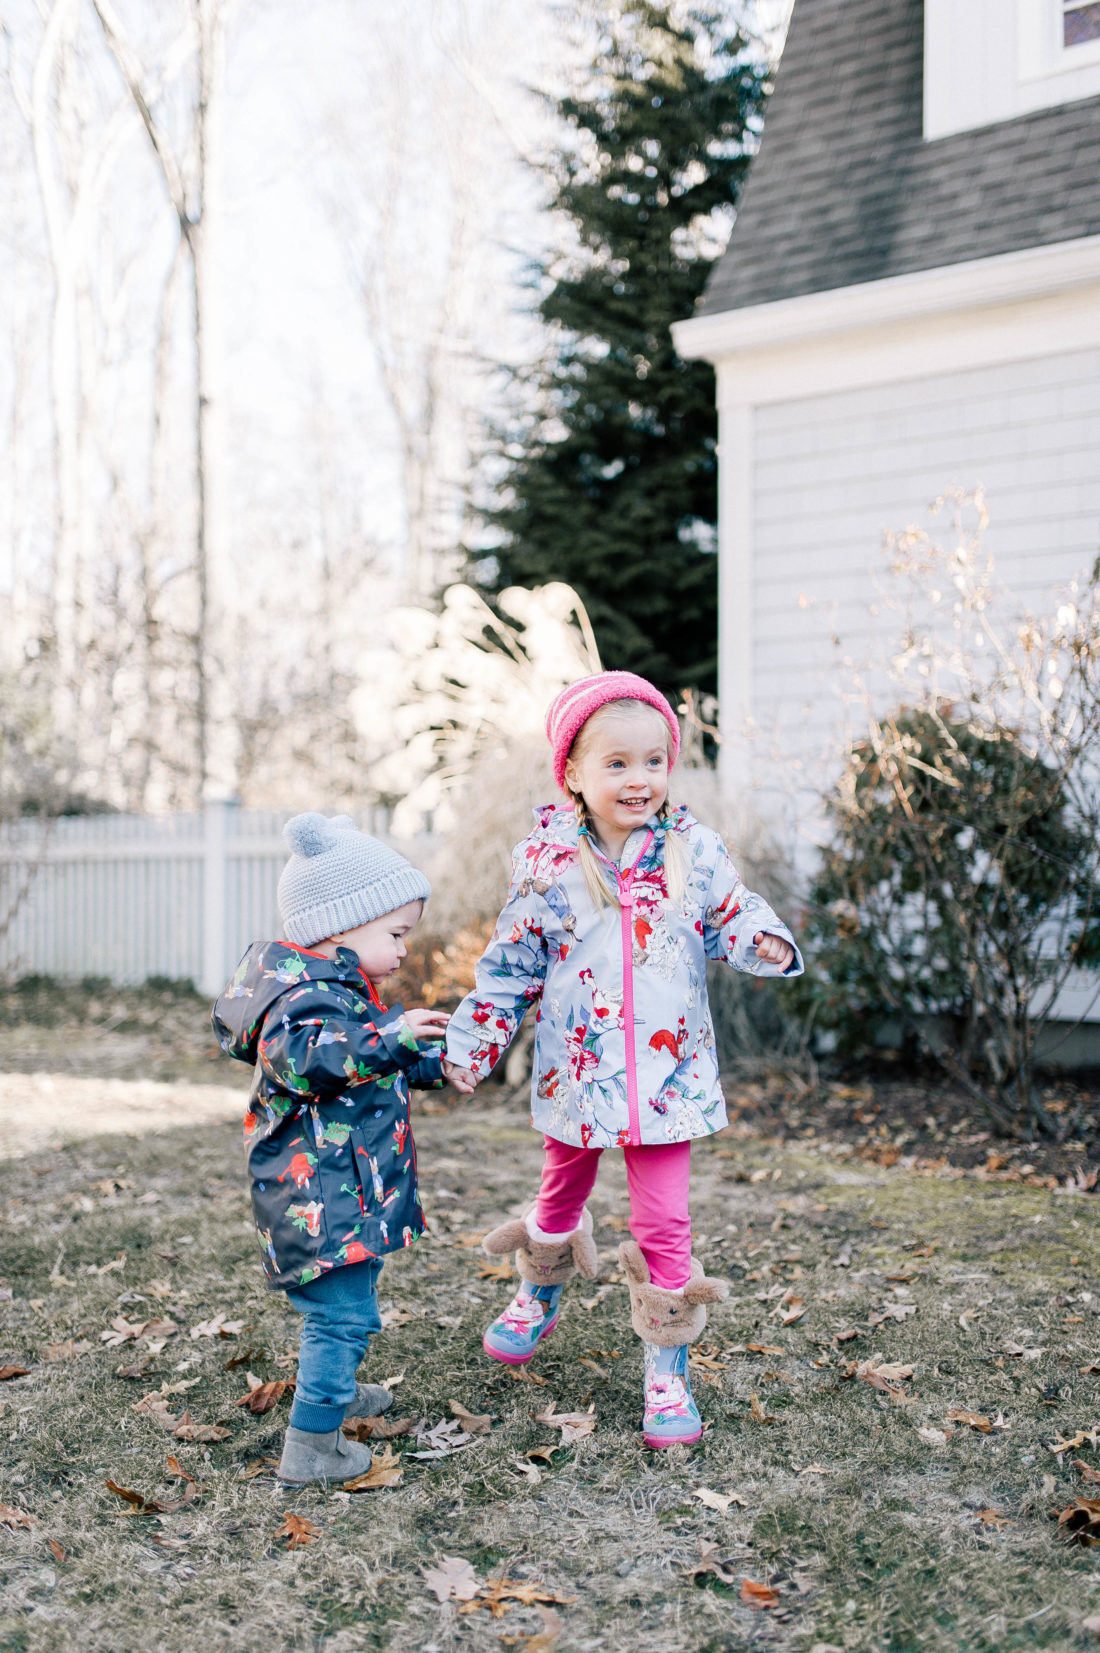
<point>624,882</point>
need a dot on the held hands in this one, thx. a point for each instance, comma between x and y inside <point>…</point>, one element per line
<point>773,949</point>
<point>426,1024</point>
<point>461,1078</point>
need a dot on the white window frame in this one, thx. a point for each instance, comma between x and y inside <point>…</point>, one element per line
<point>1040,37</point>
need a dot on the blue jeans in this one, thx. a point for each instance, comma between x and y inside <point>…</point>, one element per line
<point>339,1314</point>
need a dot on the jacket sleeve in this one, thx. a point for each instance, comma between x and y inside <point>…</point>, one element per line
<point>508,978</point>
<point>733,915</point>
<point>427,1074</point>
<point>314,1043</point>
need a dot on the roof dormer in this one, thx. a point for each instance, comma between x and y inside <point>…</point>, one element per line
<point>987,61</point>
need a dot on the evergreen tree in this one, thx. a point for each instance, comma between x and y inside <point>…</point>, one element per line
<point>613,487</point>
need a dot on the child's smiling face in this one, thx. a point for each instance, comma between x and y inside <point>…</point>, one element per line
<point>380,943</point>
<point>619,765</point>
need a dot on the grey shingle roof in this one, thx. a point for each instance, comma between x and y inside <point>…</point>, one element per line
<point>845,190</point>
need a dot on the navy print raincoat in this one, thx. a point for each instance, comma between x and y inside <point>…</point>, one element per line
<point>330,1151</point>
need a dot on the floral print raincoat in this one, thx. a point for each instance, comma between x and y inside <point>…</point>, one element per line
<point>624,1046</point>
<point>330,1149</point>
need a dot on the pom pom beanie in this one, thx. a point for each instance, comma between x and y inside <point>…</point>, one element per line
<point>571,709</point>
<point>338,878</point>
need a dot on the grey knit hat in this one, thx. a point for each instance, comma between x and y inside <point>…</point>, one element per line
<point>338,877</point>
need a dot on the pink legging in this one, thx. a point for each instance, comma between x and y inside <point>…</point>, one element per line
<point>658,1180</point>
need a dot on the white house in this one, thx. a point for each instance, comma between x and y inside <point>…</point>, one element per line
<point>910,301</point>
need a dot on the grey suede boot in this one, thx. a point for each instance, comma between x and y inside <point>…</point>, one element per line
<point>370,1400</point>
<point>329,1459</point>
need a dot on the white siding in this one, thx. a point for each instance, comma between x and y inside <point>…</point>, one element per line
<point>832,475</point>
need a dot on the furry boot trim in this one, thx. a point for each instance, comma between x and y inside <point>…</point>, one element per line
<point>667,1318</point>
<point>546,1265</point>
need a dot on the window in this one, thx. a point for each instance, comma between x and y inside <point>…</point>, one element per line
<point>1080,22</point>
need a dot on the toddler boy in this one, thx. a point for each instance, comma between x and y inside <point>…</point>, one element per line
<point>330,1151</point>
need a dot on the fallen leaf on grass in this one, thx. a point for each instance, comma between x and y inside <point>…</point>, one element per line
<point>123,1331</point>
<point>789,1310</point>
<point>992,1518</point>
<point>574,1426</point>
<point>718,1500</point>
<point>520,1374</point>
<point>57,1550</point>
<point>474,1423</point>
<point>385,1471</point>
<point>1091,1370</point>
<point>137,1371</point>
<point>219,1326</point>
<point>544,1640</point>
<point>377,1429</point>
<point>600,1371</point>
<point>1087,1471</point>
<point>13,1517</point>
<point>764,1349</point>
<point>7,1372</point>
<point>262,1397</point>
<point>935,1437</point>
<point>846,1335</point>
<point>398,1315</point>
<point>496,1271</point>
<point>156,1407</point>
<point>67,1349</point>
<point>710,1562</point>
<point>532,1475</point>
<point>976,1420</point>
<point>589,1303</point>
<point>1084,1437</point>
<point>757,1412</point>
<point>139,1504</point>
<point>452,1580</point>
<point>499,1594</point>
<point>297,1531</point>
<point>891,1311</point>
<point>1079,1522</point>
<point>811,1469</point>
<point>1092,1625</point>
<point>174,1467</point>
<point>441,1440</point>
<point>546,1453</point>
<point>758,1595</point>
<point>258,1466</point>
<point>163,1543</point>
<point>188,1430</point>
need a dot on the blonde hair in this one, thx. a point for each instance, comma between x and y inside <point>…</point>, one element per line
<point>675,855</point>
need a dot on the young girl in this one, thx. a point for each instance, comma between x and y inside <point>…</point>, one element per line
<point>615,905</point>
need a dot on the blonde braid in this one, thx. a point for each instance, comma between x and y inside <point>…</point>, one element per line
<point>675,856</point>
<point>594,879</point>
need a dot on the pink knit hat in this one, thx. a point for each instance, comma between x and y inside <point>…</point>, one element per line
<point>571,709</point>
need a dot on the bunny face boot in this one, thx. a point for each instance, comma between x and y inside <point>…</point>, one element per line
<point>667,1323</point>
<point>544,1262</point>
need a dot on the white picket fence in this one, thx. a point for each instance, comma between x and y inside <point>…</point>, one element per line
<point>133,896</point>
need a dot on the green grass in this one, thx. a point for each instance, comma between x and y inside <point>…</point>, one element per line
<point>884,1550</point>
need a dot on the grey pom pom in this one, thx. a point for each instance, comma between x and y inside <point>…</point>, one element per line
<point>309,834</point>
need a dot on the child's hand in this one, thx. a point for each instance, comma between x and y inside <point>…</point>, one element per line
<point>773,949</point>
<point>427,1024</point>
<point>461,1078</point>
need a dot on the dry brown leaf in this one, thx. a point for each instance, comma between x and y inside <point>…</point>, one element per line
<point>474,1423</point>
<point>218,1326</point>
<point>297,1531</point>
<point>574,1426</point>
<point>847,1334</point>
<point>710,1561</point>
<point>258,1466</point>
<point>1079,1522</point>
<point>976,1420</point>
<point>763,1349</point>
<point>137,1371</point>
<point>1084,1437</point>
<point>935,1437</point>
<point>397,1315</point>
<point>262,1397</point>
<point>10,1516</point>
<point>544,1640</point>
<point>1087,1471</point>
<point>496,1271</point>
<point>718,1500</point>
<point>758,1595</point>
<point>139,1504</point>
<point>385,1471</point>
<point>529,1473</point>
<point>155,1406</point>
<point>67,1349</point>
<point>757,1412</point>
<point>1091,1370</point>
<point>377,1429</point>
<point>993,1518</point>
<point>498,1594</point>
<point>57,1550</point>
<point>600,1371</point>
<point>174,1467</point>
<point>11,1371</point>
<point>546,1453</point>
<point>520,1374</point>
<point>188,1430</point>
<point>453,1579</point>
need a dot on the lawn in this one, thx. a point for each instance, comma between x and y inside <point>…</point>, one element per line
<point>864,1532</point>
